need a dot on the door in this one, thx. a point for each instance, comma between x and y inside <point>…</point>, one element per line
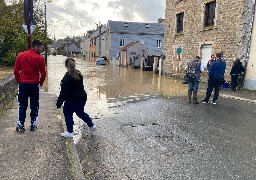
<point>206,51</point>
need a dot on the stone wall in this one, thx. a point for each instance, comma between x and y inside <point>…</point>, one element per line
<point>245,35</point>
<point>224,36</point>
<point>8,88</point>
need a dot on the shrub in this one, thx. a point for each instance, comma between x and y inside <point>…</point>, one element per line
<point>9,59</point>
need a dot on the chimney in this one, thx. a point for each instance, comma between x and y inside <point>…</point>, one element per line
<point>160,20</point>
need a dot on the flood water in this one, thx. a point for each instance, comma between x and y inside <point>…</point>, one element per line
<point>112,84</point>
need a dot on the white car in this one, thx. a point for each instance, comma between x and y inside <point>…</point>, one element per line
<point>100,61</point>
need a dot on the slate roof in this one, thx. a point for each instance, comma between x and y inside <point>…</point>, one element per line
<point>123,27</point>
<point>130,45</point>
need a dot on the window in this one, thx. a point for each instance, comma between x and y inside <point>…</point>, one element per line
<point>179,23</point>
<point>121,42</point>
<point>158,42</point>
<point>209,15</point>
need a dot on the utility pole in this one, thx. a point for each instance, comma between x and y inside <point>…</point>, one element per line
<point>45,32</point>
<point>28,19</point>
<point>100,39</point>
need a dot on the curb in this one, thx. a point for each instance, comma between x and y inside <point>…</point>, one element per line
<point>72,153</point>
<point>238,98</point>
<point>226,96</point>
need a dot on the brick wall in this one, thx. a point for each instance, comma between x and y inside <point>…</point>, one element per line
<point>8,88</point>
<point>226,35</point>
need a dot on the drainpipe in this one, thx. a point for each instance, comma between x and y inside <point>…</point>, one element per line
<point>250,34</point>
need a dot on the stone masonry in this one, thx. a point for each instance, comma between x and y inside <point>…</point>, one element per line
<point>228,35</point>
<point>8,88</point>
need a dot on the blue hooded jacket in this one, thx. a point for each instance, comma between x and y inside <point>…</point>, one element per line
<point>217,70</point>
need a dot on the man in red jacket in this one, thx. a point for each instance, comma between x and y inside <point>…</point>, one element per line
<point>30,73</point>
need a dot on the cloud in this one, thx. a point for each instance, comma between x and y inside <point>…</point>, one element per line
<point>148,10</point>
<point>67,18</point>
<point>75,17</point>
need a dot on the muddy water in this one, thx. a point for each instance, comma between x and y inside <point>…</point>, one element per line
<point>113,84</point>
<point>109,86</point>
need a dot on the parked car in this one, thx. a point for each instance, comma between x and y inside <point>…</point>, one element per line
<point>100,61</point>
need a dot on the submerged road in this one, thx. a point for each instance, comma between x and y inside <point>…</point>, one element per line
<point>147,130</point>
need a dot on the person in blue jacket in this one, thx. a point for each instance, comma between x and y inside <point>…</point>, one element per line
<point>216,77</point>
<point>74,97</point>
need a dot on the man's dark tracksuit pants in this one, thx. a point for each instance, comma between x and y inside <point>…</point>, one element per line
<point>25,91</point>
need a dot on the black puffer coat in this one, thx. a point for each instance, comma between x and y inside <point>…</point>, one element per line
<point>71,89</point>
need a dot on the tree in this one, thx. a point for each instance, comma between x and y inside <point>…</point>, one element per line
<point>13,39</point>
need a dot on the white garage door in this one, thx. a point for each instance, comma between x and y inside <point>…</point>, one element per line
<point>206,54</point>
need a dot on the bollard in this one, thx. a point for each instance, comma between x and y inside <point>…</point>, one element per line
<point>142,62</point>
<point>155,63</point>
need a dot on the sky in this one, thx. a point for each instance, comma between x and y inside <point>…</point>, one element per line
<point>76,17</point>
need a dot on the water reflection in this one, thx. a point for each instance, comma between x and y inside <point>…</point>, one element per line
<point>115,84</point>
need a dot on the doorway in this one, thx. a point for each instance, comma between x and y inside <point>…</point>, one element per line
<point>206,52</point>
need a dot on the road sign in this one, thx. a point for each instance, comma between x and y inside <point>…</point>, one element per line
<point>32,28</point>
<point>28,11</point>
<point>179,50</point>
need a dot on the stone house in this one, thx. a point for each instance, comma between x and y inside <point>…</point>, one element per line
<point>74,48</point>
<point>92,46</point>
<point>121,33</point>
<point>134,50</point>
<point>85,44</point>
<point>101,41</point>
<point>94,43</point>
<point>205,27</point>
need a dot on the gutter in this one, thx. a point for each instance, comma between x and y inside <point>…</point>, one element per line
<point>250,34</point>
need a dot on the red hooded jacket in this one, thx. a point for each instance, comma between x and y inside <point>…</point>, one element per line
<point>30,67</point>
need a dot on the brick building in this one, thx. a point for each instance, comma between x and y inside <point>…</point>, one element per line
<point>205,27</point>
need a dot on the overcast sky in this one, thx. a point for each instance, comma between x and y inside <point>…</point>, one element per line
<point>75,17</point>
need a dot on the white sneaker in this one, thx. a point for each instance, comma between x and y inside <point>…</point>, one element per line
<point>93,128</point>
<point>214,102</point>
<point>67,134</point>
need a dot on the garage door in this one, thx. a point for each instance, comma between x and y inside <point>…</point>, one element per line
<point>206,54</point>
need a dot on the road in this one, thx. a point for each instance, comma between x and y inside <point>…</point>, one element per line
<point>147,130</point>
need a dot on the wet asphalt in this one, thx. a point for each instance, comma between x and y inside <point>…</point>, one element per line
<point>147,130</point>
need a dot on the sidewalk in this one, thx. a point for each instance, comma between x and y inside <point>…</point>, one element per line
<point>241,95</point>
<point>39,155</point>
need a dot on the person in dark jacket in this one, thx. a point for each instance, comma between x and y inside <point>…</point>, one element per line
<point>193,71</point>
<point>236,71</point>
<point>74,97</point>
<point>216,77</point>
<point>209,63</point>
<point>30,73</point>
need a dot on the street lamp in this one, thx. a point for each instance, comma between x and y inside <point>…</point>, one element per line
<point>45,32</point>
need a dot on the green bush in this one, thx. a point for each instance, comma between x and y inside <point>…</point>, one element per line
<point>9,59</point>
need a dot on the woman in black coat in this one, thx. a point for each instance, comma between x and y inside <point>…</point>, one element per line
<point>74,97</point>
<point>236,71</point>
